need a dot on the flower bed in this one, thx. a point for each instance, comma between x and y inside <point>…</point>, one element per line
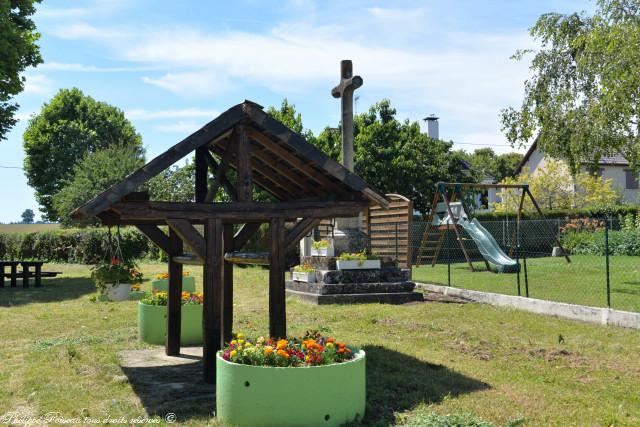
<point>152,319</point>
<point>161,283</point>
<point>324,380</point>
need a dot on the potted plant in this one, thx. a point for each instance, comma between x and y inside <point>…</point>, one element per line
<point>357,261</point>
<point>161,282</point>
<point>136,293</point>
<point>322,382</point>
<point>322,247</point>
<point>152,318</point>
<point>114,279</point>
<point>304,273</point>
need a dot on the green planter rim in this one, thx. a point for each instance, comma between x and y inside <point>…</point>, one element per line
<point>359,354</point>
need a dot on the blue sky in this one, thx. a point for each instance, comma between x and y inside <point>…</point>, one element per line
<point>173,66</point>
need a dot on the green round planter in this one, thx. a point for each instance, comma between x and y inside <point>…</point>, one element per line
<point>329,395</point>
<point>152,324</point>
<point>162,285</point>
<point>137,295</point>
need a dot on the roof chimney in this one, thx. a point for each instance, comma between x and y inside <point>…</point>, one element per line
<point>432,126</point>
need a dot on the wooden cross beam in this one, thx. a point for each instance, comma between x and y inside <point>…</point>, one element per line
<point>301,229</point>
<point>219,175</point>
<point>189,235</point>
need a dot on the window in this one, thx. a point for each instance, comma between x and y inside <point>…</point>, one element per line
<point>632,179</point>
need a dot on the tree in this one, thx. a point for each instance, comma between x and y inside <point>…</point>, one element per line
<point>554,187</point>
<point>393,156</point>
<point>28,216</point>
<point>485,162</point>
<point>70,126</point>
<point>95,173</point>
<point>582,98</point>
<point>396,157</point>
<point>176,184</point>
<point>18,38</point>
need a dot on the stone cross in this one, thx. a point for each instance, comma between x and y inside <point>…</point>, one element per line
<point>348,84</point>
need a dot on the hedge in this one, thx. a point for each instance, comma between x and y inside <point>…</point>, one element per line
<point>83,246</point>
<point>614,211</point>
<point>621,242</point>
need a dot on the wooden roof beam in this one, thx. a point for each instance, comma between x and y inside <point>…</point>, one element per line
<point>236,211</point>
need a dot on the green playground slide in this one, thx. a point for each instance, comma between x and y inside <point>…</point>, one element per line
<point>488,246</point>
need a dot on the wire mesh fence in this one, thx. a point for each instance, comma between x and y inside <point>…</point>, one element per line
<point>600,266</point>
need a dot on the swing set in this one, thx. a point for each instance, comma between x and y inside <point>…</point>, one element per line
<point>449,212</point>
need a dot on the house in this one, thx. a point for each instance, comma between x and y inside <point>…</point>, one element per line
<point>614,167</point>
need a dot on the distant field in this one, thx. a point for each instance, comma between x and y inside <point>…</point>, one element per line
<point>27,228</point>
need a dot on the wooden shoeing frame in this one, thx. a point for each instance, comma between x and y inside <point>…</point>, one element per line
<point>306,185</point>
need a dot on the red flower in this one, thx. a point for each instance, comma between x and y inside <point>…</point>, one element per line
<point>115,261</point>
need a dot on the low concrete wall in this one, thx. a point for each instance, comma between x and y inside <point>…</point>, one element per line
<point>604,316</point>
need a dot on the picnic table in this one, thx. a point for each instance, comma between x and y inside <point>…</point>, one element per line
<point>29,269</point>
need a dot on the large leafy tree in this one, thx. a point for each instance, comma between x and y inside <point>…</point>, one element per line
<point>175,184</point>
<point>393,156</point>
<point>396,157</point>
<point>68,128</point>
<point>95,173</point>
<point>18,38</point>
<point>28,216</point>
<point>582,101</point>
<point>485,162</point>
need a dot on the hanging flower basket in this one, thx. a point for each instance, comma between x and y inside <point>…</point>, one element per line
<point>161,283</point>
<point>152,319</point>
<point>114,279</point>
<point>324,383</point>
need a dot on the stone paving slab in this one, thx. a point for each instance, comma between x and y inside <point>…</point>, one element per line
<point>169,384</point>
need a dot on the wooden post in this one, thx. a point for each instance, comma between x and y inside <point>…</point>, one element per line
<point>174,304</point>
<point>244,185</point>
<point>227,290</point>
<point>213,279</point>
<point>277,309</point>
<point>201,174</point>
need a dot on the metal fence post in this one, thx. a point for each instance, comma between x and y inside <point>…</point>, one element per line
<point>526,276</point>
<point>518,256</point>
<point>448,261</point>
<point>606,260</point>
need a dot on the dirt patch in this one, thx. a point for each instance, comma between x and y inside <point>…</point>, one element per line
<point>480,350</point>
<point>448,299</point>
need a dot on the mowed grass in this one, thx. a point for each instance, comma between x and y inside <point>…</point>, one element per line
<point>583,281</point>
<point>27,228</point>
<point>59,354</point>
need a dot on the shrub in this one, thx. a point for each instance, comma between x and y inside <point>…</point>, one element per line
<point>621,242</point>
<point>83,246</point>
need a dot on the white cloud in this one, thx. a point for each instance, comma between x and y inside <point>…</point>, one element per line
<point>38,84</point>
<point>84,31</point>
<point>141,114</point>
<point>196,83</point>
<point>81,68</point>
<point>463,77</point>
<point>184,127</point>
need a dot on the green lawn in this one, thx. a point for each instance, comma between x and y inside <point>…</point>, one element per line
<point>59,354</point>
<point>583,281</point>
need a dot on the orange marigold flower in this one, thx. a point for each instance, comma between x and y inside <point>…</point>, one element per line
<point>268,349</point>
<point>341,350</point>
<point>330,340</point>
<point>282,344</point>
<point>283,353</point>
